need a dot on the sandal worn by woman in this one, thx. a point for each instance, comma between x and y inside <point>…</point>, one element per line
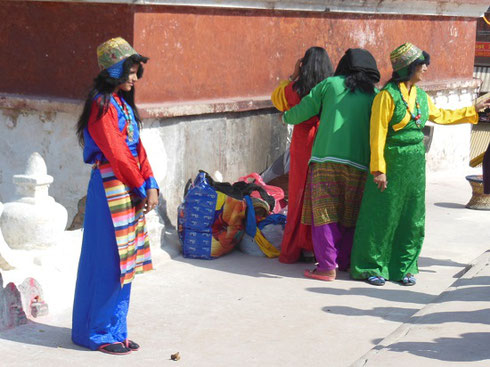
<point>131,345</point>
<point>114,348</point>
<point>409,280</point>
<point>376,280</point>
<point>312,274</point>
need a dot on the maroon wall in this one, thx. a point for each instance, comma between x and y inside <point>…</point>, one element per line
<point>204,53</point>
<point>48,49</point>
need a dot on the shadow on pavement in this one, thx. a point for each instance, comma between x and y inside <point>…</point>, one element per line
<point>394,295</point>
<point>41,334</point>
<point>429,261</point>
<point>468,294</point>
<point>256,266</point>
<point>397,314</point>
<point>239,263</point>
<point>427,271</point>
<point>481,280</point>
<point>469,317</point>
<point>469,347</point>
<point>450,205</point>
<point>404,314</point>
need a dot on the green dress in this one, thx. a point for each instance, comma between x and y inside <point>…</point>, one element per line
<point>391,225</point>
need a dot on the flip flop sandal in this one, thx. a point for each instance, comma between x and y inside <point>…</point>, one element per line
<point>131,345</point>
<point>376,280</point>
<point>114,348</point>
<point>409,280</point>
<point>313,275</point>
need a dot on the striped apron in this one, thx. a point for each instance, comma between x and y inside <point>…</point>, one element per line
<point>129,225</point>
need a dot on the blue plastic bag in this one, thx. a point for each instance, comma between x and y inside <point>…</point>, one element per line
<point>210,223</point>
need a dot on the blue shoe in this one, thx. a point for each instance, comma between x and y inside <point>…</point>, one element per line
<point>376,280</point>
<point>409,280</point>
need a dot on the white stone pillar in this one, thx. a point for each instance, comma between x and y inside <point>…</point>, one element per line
<point>35,219</point>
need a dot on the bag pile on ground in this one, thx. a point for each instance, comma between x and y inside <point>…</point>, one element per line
<point>214,216</point>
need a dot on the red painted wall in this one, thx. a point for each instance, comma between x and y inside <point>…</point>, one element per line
<point>217,53</point>
<point>205,53</point>
<point>48,49</point>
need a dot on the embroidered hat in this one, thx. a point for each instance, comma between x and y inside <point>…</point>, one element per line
<point>404,55</point>
<point>111,55</point>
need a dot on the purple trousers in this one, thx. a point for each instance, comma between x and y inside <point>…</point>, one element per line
<point>332,244</point>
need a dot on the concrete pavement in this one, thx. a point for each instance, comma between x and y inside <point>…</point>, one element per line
<point>245,311</point>
<point>451,331</point>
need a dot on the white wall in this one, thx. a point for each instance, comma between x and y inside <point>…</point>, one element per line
<point>235,144</point>
<point>450,148</point>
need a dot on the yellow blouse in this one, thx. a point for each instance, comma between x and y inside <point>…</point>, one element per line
<point>382,112</point>
<point>278,97</point>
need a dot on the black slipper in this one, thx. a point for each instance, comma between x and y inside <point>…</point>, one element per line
<point>131,345</point>
<point>114,348</point>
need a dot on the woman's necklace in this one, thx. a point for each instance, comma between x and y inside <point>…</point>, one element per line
<point>127,116</point>
<point>415,117</point>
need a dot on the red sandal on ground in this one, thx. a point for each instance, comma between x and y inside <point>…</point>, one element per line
<point>312,274</point>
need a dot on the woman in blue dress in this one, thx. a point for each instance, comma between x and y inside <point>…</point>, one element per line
<point>121,190</point>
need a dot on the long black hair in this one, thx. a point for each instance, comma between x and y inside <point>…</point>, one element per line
<point>397,77</point>
<point>104,86</point>
<point>360,70</point>
<point>315,67</point>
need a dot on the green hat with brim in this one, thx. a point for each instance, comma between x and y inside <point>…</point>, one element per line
<point>113,51</point>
